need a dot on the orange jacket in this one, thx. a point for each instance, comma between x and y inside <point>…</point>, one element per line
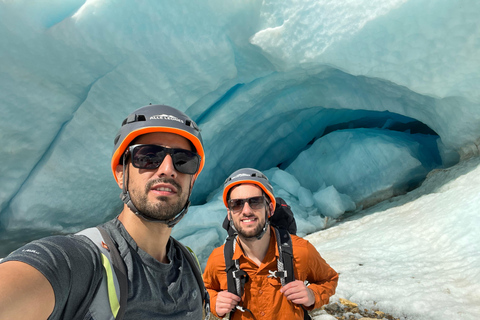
<point>262,294</point>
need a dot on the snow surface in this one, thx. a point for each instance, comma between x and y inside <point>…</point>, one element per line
<point>415,256</point>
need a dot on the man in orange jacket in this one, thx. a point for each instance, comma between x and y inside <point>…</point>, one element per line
<point>250,203</point>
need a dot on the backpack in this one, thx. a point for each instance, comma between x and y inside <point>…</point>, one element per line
<point>284,224</point>
<point>114,287</point>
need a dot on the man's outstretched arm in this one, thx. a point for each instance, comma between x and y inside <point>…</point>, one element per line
<point>25,293</point>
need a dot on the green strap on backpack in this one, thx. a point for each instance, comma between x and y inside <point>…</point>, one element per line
<point>114,287</point>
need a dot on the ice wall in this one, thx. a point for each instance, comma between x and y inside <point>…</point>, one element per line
<point>269,82</point>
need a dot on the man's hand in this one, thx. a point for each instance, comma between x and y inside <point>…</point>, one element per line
<point>297,292</point>
<point>226,301</point>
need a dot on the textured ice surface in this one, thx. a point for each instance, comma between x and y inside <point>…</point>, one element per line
<point>267,81</point>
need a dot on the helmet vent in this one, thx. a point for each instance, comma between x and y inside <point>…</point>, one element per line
<point>192,124</point>
<point>133,118</point>
<point>259,175</point>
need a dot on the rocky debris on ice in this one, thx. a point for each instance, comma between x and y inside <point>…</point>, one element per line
<point>347,310</point>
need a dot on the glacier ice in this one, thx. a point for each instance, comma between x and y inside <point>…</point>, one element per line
<point>269,82</point>
<point>365,163</point>
<point>331,203</point>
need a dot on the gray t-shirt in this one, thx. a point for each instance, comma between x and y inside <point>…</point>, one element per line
<point>73,266</point>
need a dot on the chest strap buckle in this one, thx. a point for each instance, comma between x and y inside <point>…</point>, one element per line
<point>277,274</point>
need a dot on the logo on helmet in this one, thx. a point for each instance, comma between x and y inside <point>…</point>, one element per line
<point>165,117</point>
<point>240,175</point>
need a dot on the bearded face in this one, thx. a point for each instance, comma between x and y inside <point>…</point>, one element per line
<point>159,193</point>
<point>162,207</point>
<point>249,222</point>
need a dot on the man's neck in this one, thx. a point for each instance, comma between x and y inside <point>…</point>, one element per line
<point>256,249</point>
<point>151,237</point>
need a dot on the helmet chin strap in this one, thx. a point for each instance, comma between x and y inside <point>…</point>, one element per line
<point>265,226</point>
<point>125,196</point>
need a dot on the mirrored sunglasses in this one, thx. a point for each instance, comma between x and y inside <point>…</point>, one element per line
<point>151,156</point>
<point>256,203</point>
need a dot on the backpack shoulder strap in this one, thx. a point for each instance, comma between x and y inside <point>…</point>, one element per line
<point>120,271</point>
<point>229,263</point>
<point>285,248</point>
<point>285,260</point>
<point>284,243</point>
<point>115,280</point>
<point>236,278</point>
<point>197,270</point>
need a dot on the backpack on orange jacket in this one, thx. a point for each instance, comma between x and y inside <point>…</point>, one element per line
<point>284,224</point>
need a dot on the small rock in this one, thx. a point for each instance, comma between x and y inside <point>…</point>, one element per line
<point>332,308</point>
<point>355,310</point>
<point>380,314</point>
<point>348,303</point>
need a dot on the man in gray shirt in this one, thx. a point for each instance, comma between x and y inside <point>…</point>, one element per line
<point>157,157</point>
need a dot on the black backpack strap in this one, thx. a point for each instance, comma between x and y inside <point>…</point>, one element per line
<point>284,242</point>
<point>120,271</point>
<point>285,249</point>
<point>229,263</point>
<point>285,262</point>
<point>236,277</point>
<point>197,270</point>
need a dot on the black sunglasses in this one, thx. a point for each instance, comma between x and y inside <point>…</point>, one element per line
<point>256,203</point>
<point>151,156</point>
